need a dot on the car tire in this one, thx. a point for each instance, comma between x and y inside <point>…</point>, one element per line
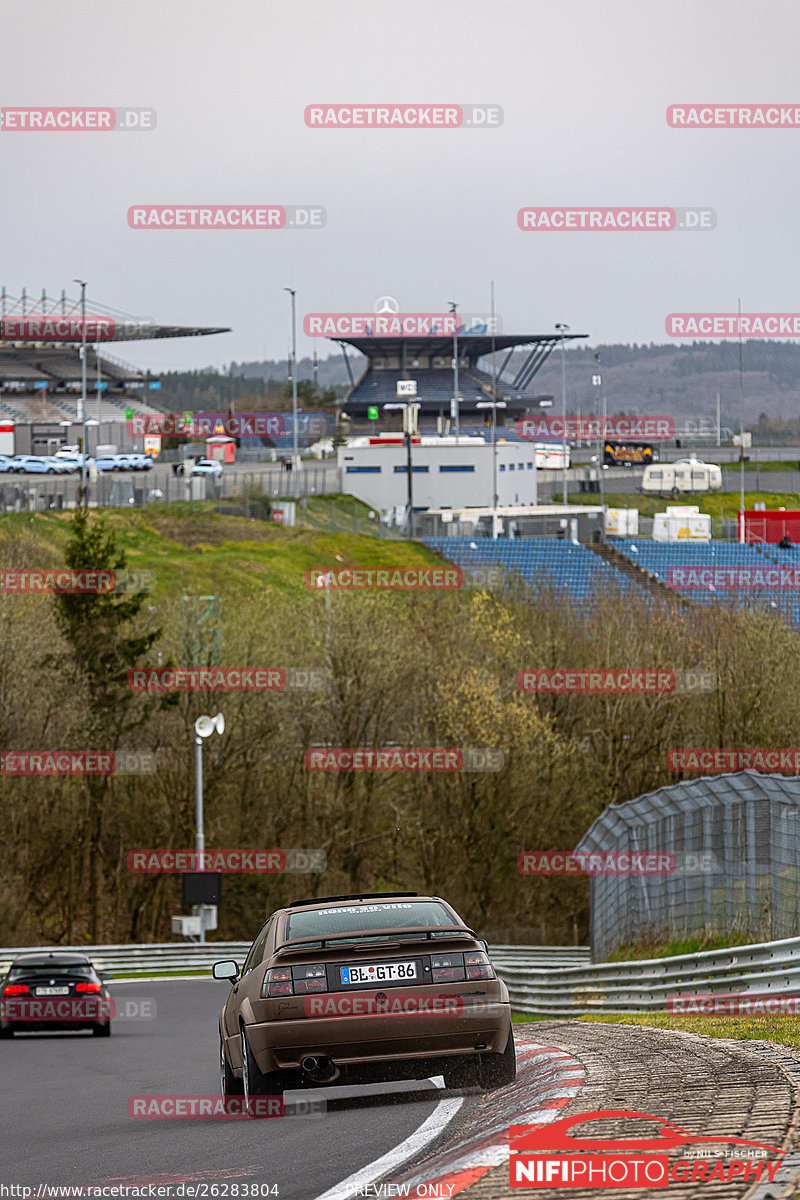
<point>461,1073</point>
<point>498,1070</point>
<point>50,471</point>
<point>229,1085</point>
<point>102,1029</point>
<point>255,1082</point>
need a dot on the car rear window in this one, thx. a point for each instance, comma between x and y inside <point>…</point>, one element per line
<point>339,919</point>
<point>50,969</point>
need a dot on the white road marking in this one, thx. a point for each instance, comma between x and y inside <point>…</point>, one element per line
<point>430,1128</point>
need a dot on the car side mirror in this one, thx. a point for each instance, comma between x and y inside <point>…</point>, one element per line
<point>228,968</point>
<point>484,943</point>
<point>106,976</point>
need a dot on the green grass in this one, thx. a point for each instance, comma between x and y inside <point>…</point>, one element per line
<point>634,951</point>
<point>204,552</point>
<point>725,504</point>
<point>771,1029</point>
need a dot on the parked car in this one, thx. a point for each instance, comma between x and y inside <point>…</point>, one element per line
<point>136,462</point>
<point>361,989</point>
<point>67,452</point>
<point>205,466</point>
<point>62,465</point>
<point>684,475</point>
<point>52,991</point>
<point>5,463</point>
<point>109,462</point>
<point>32,464</point>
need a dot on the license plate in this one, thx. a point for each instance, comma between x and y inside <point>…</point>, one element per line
<point>379,973</point>
<point>52,991</point>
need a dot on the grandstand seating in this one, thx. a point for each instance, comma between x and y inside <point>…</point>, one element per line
<point>434,388</point>
<point>659,557</point>
<point>560,565</point>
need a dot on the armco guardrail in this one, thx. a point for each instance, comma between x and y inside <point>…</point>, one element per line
<point>198,956</point>
<point>163,956</point>
<point>553,981</point>
<point>645,985</point>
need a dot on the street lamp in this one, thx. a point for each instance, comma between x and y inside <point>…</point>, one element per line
<point>410,413</point>
<point>493,405</point>
<point>295,464</point>
<point>82,406</point>
<point>563,328</point>
<point>453,309</point>
<point>597,381</point>
<point>203,728</point>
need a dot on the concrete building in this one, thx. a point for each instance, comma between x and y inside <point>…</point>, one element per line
<point>446,472</point>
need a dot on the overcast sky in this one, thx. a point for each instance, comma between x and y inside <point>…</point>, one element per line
<point>426,216</point>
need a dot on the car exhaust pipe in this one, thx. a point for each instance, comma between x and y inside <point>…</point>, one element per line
<point>321,1069</point>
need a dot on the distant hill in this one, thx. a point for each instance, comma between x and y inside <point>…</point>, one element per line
<point>680,381</point>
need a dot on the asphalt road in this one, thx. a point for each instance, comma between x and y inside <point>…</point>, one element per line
<point>65,1119</point>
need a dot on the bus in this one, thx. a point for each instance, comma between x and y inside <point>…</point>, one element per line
<point>629,454</point>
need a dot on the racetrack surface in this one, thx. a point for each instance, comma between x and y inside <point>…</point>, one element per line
<point>65,1117</point>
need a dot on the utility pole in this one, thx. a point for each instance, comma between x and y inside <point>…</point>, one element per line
<point>82,406</point>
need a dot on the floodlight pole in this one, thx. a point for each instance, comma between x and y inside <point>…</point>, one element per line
<point>200,837</point>
<point>741,431</point>
<point>563,328</point>
<point>454,310</point>
<point>82,407</point>
<point>295,464</point>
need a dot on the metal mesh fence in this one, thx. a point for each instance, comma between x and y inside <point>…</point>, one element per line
<point>736,841</point>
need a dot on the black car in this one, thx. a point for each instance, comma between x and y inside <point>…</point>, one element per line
<point>53,991</point>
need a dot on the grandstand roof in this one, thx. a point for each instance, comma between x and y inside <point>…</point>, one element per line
<point>25,320</point>
<point>471,345</point>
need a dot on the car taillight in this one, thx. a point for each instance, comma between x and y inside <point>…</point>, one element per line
<point>88,987</point>
<point>16,989</point>
<point>310,978</point>
<point>277,982</point>
<point>478,965</point>
<point>447,968</point>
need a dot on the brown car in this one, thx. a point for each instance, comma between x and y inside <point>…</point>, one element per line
<point>362,989</point>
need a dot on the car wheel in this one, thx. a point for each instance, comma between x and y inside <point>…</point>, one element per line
<point>102,1029</point>
<point>498,1070</point>
<point>229,1085</point>
<point>255,1083</point>
<point>462,1073</point>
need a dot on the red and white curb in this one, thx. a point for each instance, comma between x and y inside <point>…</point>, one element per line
<point>548,1079</point>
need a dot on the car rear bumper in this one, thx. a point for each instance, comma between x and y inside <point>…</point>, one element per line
<point>409,1042</point>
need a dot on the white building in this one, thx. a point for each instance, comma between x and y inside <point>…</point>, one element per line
<point>446,472</point>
